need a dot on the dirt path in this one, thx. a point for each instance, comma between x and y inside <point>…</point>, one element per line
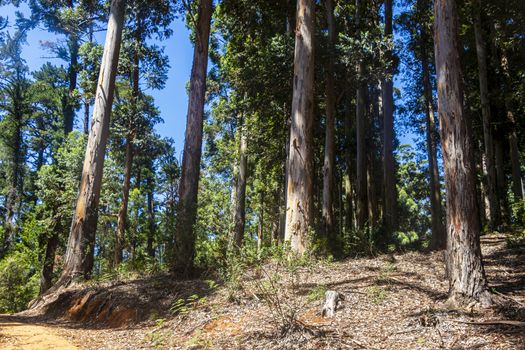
<point>23,336</point>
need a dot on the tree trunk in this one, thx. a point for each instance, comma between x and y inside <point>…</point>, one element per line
<point>517,179</point>
<point>49,262</point>
<point>123,209</point>
<point>495,214</point>
<point>240,192</point>
<point>86,100</point>
<point>184,248</point>
<point>349,207</point>
<point>260,225</point>
<point>467,282</point>
<point>69,113</point>
<point>81,243</point>
<point>329,155</point>
<point>515,161</point>
<point>151,219</point>
<point>501,178</point>
<point>373,205</point>
<point>130,136</point>
<point>362,209</point>
<point>299,213</point>
<point>439,237</point>
<point>389,171</point>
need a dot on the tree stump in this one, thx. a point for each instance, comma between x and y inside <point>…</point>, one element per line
<point>332,299</point>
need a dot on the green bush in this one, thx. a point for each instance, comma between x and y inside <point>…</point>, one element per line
<point>408,239</point>
<point>18,282</point>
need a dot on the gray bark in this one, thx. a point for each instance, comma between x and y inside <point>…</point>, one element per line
<point>299,208</point>
<point>81,243</point>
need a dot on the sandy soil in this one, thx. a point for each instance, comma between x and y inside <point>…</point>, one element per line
<point>16,335</point>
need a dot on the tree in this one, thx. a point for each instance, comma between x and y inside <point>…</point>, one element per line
<point>389,173</point>
<point>299,214</point>
<point>184,249</point>
<point>14,109</point>
<point>81,243</point>
<point>240,186</point>
<point>362,207</point>
<point>137,119</point>
<point>329,152</point>
<point>495,215</point>
<point>467,281</point>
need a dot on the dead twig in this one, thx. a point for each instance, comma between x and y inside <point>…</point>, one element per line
<point>494,323</point>
<point>508,298</point>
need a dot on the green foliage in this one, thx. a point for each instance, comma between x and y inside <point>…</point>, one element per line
<point>408,239</point>
<point>183,306</point>
<point>317,293</point>
<point>516,240</point>
<point>18,281</point>
<point>413,192</point>
<point>377,294</point>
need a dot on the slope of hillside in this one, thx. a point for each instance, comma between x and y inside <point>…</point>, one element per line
<point>390,302</point>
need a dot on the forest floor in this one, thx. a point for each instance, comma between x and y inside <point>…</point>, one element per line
<point>390,302</point>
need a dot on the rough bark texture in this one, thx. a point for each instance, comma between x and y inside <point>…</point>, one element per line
<point>240,191</point>
<point>184,247</point>
<point>81,243</point>
<point>362,209</point>
<point>495,217</point>
<point>467,282</point>
<point>299,207</point>
<point>389,171</point>
<point>49,262</point>
<point>329,143</point>
<point>439,237</point>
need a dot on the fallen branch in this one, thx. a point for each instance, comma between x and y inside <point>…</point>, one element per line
<point>508,298</point>
<point>494,323</point>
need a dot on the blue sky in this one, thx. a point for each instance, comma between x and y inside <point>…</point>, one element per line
<point>172,101</point>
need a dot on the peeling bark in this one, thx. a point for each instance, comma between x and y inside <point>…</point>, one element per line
<point>467,282</point>
<point>299,208</point>
<point>81,243</point>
